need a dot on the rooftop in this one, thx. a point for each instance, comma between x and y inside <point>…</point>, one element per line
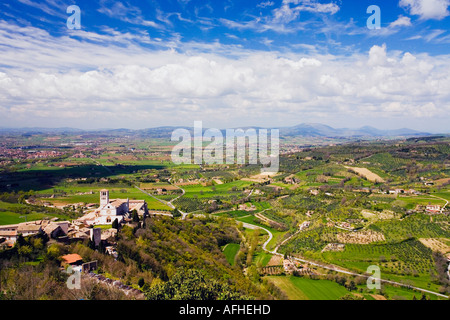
<point>71,258</point>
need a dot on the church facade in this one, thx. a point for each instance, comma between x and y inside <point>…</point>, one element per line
<point>119,209</point>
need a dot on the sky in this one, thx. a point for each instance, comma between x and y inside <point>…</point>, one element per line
<point>232,63</point>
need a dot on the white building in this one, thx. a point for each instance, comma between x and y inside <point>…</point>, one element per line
<point>111,210</point>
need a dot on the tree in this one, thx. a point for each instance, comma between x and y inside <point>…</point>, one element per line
<point>191,285</point>
<point>115,224</point>
<point>53,252</point>
<point>176,213</point>
<point>135,215</point>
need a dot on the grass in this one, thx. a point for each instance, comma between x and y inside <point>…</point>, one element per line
<point>262,258</point>
<point>297,288</point>
<point>409,256</point>
<point>9,216</point>
<point>277,235</point>
<point>230,250</point>
<point>216,190</point>
<point>398,293</point>
<point>115,192</point>
<point>14,218</point>
<point>422,200</point>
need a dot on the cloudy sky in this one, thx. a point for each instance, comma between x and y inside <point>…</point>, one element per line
<point>230,63</point>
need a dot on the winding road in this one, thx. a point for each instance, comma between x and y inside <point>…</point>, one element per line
<point>168,203</point>
<point>329,267</point>
<point>446,202</point>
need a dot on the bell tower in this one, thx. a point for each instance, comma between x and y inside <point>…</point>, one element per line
<point>104,197</point>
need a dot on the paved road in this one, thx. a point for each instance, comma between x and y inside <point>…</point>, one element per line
<point>183,214</point>
<point>168,203</point>
<point>149,194</point>
<point>330,267</point>
<point>446,202</point>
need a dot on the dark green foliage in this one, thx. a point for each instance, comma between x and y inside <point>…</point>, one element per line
<point>165,245</point>
<point>135,216</point>
<point>417,226</point>
<point>188,204</point>
<point>192,285</point>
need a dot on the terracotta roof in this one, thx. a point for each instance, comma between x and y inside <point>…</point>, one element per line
<point>71,258</point>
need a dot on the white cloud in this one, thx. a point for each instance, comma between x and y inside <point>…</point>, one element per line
<point>402,21</point>
<point>265,4</point>
<point>290,9</point>
<point>427,9</point>
<point>72,82</point>
<point>126,13</point>
<point>283,19</point>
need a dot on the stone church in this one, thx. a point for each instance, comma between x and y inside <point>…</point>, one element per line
<point>119,209</point>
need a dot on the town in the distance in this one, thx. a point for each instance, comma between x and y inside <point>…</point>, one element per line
<point>107,215</point>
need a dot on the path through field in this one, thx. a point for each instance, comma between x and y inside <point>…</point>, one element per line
<point>331,267</point>
<point>369,175</point>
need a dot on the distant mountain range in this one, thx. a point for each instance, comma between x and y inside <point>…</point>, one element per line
<point>301,130</point>
<point>321,130</point>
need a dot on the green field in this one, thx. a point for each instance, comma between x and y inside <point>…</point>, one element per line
<point>230,250</point>
<point>11,213</point>
<point>404,261</point>
<point>115,193</point>
<point>277,235</point>
<point>297,288</point>
<point>216,190</point>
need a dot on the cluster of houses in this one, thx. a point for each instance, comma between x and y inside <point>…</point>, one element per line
<point>292,179</point>
<point>61,231</point>
<point>291,267</point>
<point>119,210</point>
<point>434,209</point>
<point>53,228</point>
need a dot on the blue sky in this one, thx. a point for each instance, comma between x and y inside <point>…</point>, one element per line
<point>271,63</point>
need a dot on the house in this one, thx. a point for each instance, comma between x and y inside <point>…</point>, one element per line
<point>291,179</point>
<point>89,266</point>
<point>30,228</point>
<point>289,266</point>
<point>56,229</point>
<point>108,234</point>
<point>304,225</point>
<point>10,237</point>
<point>433,208</point>
<point>52,228</point>
<point>72,259</point>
